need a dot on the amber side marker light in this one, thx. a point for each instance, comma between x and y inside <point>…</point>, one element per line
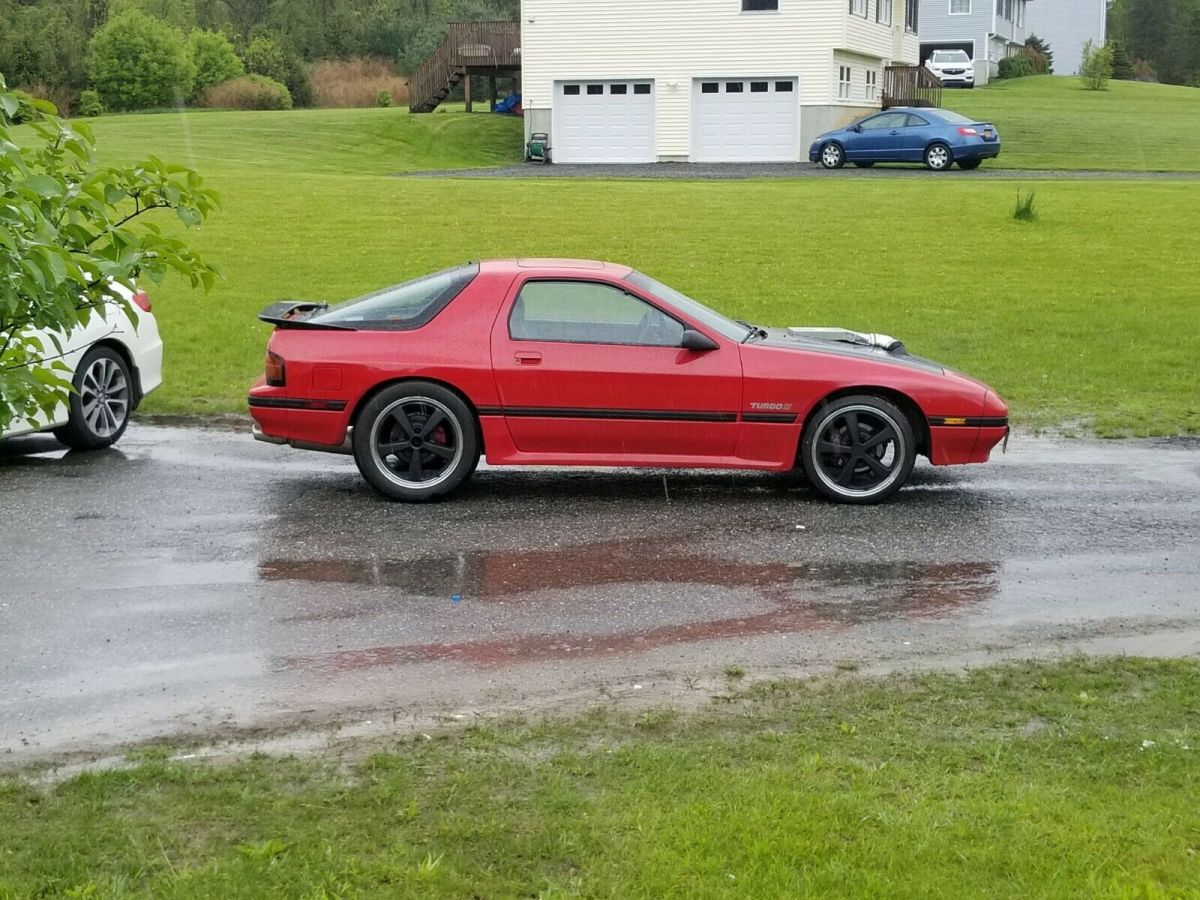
<point>276,371</point>
<point>947,421</point>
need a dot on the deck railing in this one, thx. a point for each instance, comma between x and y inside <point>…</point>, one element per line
<point>910,86</point>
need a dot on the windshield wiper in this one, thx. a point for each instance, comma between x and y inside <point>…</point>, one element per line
<point>755,332</point>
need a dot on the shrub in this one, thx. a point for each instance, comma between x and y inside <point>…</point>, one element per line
<point>138,62</point>
<point>264,56</point>
<point>90,104</point>
<point>214,58</point>
<point>62,97</point>
<point>1037,45</point>
<point>1143,71</point>
<point>1015,67</point>
<point>358,82</point>
<point>248,92</point>
<point>1122,65</point>
<point>1096,66</point>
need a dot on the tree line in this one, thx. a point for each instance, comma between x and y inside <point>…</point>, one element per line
<point>51,44</point>
<point>1161,38</point>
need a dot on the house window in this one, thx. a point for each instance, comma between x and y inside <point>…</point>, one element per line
<point>641,88</point>
<point>710,87</point>
<point>910,15</point>
<point>872,83</point>
<point>759,87</point>
<point>960,7</point>
<point>571,90</point>
<point>858,8</point>
<point>760,5</point>
<point>1008,9</point>
<point>844,76</point>
<point>733,87</point>
<point>595,90</point>
<point>883,12</point>
<point>1021,13</point>
<point>618,89</point>
<point>784,87</point>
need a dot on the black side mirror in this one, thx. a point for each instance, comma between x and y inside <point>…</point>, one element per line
<point>857,129</point>
<point>694,340</point>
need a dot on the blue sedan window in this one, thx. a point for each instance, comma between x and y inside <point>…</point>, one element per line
<point>916,121</point>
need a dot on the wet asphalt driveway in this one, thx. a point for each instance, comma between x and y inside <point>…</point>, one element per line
<point>193,582</point>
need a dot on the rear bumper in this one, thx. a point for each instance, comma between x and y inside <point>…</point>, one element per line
<point>981,150</point>
<point>347,446</point>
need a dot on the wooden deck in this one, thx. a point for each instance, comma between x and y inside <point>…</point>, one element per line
<point>910,86</point>
<point>470,49</point>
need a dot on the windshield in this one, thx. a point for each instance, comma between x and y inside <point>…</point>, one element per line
<point>402,307</point>
<point>686,305</point>
<point>950,56</point>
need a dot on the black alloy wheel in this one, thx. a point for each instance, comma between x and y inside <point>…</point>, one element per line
<point>416,441</point>
<point>858,449</point>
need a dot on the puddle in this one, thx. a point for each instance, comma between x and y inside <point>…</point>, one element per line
<point>784,598</point>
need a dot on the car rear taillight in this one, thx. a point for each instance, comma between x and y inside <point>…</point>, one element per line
<point>967,131</point>
<point>142,299</point>
<point>276,371</point>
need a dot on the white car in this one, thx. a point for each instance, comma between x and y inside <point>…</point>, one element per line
<point>113,365</point>
<point>953,68</point>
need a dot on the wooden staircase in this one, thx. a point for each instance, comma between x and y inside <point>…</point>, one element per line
<point>470,48</point>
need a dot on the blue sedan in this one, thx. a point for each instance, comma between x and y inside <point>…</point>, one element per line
<point>937,137</point>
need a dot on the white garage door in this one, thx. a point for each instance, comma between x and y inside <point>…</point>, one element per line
<point>745,120</point>
<point>603,122</point>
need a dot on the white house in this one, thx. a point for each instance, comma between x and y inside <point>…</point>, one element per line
<point>1066,25</point>
<point>630,81</point>
<point>988,30</point>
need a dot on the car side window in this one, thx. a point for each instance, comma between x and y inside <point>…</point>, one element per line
<point>587,312</point>
<point>915,121</point>
<point>886,120</point>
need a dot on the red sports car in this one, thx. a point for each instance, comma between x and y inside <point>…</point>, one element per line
<point>569,362</point>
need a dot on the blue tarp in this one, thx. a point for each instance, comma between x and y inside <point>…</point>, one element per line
<point>505,106</point>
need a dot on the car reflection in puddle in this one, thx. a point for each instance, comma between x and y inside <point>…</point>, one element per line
<point>787,598</point>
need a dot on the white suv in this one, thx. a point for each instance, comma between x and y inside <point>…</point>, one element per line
<point>952,68</point>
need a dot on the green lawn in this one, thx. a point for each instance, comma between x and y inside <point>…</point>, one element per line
<point>1066,780</point>
<point>1089,314</point>
<point>1050,122</point>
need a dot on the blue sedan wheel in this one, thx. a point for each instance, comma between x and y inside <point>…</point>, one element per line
<point>938,157</point>
<point>833,156</point>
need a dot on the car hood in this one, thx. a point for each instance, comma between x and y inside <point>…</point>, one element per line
<point>844,342</point>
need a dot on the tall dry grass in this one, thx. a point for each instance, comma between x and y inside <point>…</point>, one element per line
<point>356,82</point>
<point>62,97</point>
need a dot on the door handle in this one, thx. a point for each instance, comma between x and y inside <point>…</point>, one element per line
<point>893,132</point>
<point>528,359</point>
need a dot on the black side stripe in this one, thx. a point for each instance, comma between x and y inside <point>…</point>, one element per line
<point>289,403</point>
<point>769,418</point>
<point>970,421</point>
<point>660,415</point>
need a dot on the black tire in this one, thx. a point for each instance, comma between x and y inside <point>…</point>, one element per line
<point>938,157</point>
<point>102,402</point>
<point>864,165</point>
<point>970,163</point>
<point>416,441</point>
<point>859,449</point>
<point>832,155</point>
